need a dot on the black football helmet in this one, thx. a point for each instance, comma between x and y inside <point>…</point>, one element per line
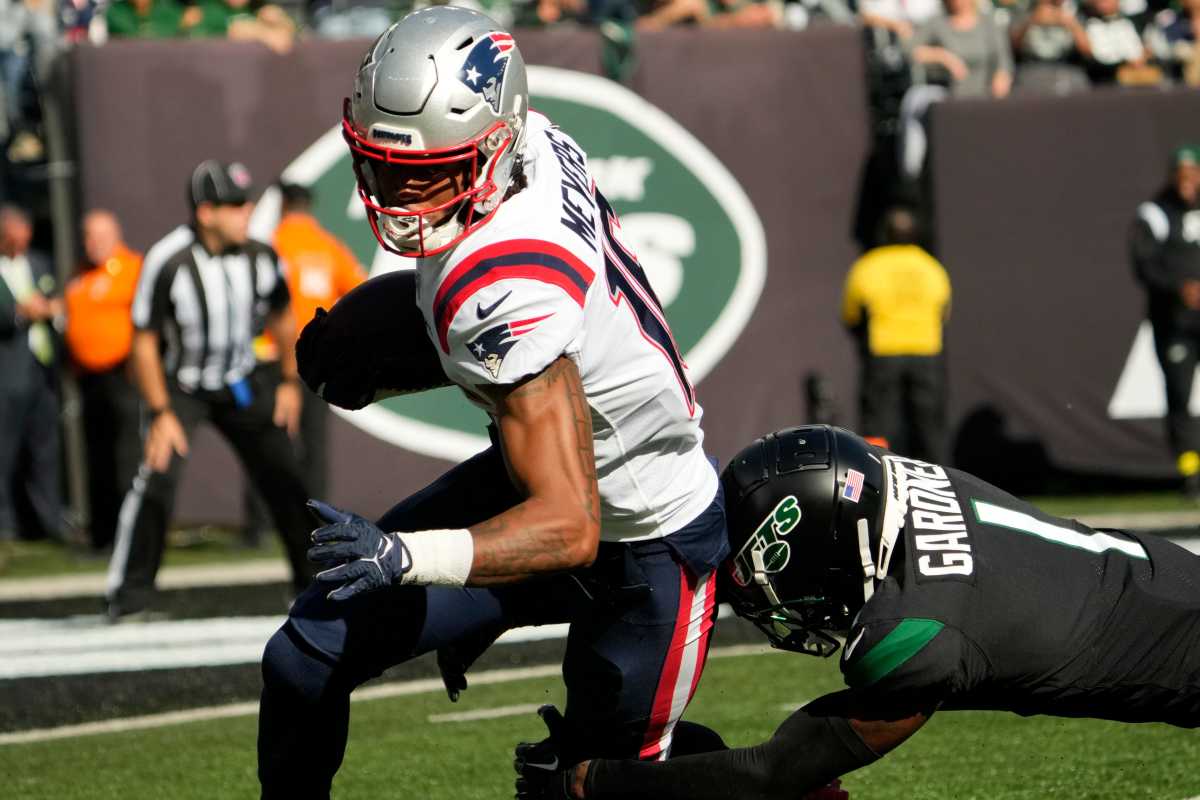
<point>804,507</point>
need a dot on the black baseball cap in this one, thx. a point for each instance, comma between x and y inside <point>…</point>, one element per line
<point>219,183</point>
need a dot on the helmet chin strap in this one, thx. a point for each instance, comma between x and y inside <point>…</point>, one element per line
<point>895,508</point>
<point>868,562</point>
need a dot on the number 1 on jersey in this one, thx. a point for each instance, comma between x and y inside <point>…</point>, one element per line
<point>627,279</point>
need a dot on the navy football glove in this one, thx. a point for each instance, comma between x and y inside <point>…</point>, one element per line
<point>541,775</point>
<point>360,557</point>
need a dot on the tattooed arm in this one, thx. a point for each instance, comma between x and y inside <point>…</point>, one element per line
<point>546,432</point>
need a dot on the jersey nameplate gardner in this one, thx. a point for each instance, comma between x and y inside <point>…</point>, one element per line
<point>940,538</point>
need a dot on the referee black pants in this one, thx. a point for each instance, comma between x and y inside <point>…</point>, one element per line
<point>269,460</point>
<point>903,399</point>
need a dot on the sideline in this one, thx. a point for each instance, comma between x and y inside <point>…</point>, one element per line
<point>275,570</point>
<point>422,686</point>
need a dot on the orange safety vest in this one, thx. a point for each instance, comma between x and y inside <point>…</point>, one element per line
<point>99,328</point>
<point>319,269</point>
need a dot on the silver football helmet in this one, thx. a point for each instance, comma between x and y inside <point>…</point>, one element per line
<point>438,111</point>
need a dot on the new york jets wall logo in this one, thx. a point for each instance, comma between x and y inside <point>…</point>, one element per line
<point>688,220</point>
<point>765,553</point>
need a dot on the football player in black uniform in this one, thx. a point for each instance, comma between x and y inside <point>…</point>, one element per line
<point>949,594</point>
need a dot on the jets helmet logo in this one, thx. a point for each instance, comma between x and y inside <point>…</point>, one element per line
<point>491,346</point>
<point>483,69</point>
<point>764,553</point>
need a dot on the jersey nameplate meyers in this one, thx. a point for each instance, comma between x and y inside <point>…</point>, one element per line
<point>935,519</point>
<point>576,189</point>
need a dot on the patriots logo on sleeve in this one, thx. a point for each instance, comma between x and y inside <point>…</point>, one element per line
<point>483,70</point>
<point>491,346</point>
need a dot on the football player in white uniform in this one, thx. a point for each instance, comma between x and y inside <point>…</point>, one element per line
<point>595,506</point>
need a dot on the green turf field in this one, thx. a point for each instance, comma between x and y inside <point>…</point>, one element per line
<point>396,752</point>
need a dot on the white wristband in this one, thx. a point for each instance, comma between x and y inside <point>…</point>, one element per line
<point>439,557</point>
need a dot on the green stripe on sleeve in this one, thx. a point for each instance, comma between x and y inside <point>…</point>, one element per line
<point>904,642</point>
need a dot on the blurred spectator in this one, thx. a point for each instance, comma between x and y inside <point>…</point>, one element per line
<point>351,19</point>
<point>319,270</point>
<point>98,335</point>
<point>1165,247</point>
<point>28,39</point>
<point>967,46</point>
<point>711,13</point>
<point>896,302</point>
<point>29,436</point>
<point>1051,46</point>
<point>1172,39</point>
<point>1117,53</point>
<point>205,290</point>
<point>145,19</point>
<point>245,20</point>
<point>963,53</point>
<point>899,17</point>
<point>77,18</point>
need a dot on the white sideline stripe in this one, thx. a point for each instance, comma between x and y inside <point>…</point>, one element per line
<point>83,645</point>
<point>57,587</point>
<point>485,713</point>
<point>86,645</point>
<point>259,571</point>
<point>422,686</point>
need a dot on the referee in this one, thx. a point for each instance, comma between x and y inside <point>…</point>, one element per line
<point>205,290</point>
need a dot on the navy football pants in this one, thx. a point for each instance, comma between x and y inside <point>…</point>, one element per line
<point>640,625</point>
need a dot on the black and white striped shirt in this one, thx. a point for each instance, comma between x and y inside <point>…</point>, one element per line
<point>207,308</point>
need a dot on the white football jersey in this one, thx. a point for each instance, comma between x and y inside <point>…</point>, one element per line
<point>548,276</point>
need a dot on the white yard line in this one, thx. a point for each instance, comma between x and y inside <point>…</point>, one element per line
<point>486,713</point>
<point>422,686</point>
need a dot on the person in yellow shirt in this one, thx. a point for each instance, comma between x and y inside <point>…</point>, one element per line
<point>897,301</point>
<point>319,269</point>
<point>98,335</point>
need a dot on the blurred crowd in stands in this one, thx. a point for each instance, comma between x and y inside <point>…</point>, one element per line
<point>971,47</point>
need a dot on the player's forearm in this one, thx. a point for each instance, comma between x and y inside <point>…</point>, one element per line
<point>148,370</point>
<point>804,754</point>
<point>535,537</point>
<point>545,426</point>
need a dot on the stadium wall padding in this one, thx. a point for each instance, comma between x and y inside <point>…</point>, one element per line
<point>1034,200</point>
<point>1033,196</point>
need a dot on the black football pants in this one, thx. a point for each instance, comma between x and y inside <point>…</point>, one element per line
<point>268,458</point>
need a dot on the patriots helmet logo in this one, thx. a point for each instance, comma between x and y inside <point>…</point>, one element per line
<point>483,70</point>
<point>491,346</point>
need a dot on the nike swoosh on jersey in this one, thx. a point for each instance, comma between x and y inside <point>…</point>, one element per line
<point>484,313</point>
<point>850,647</point>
